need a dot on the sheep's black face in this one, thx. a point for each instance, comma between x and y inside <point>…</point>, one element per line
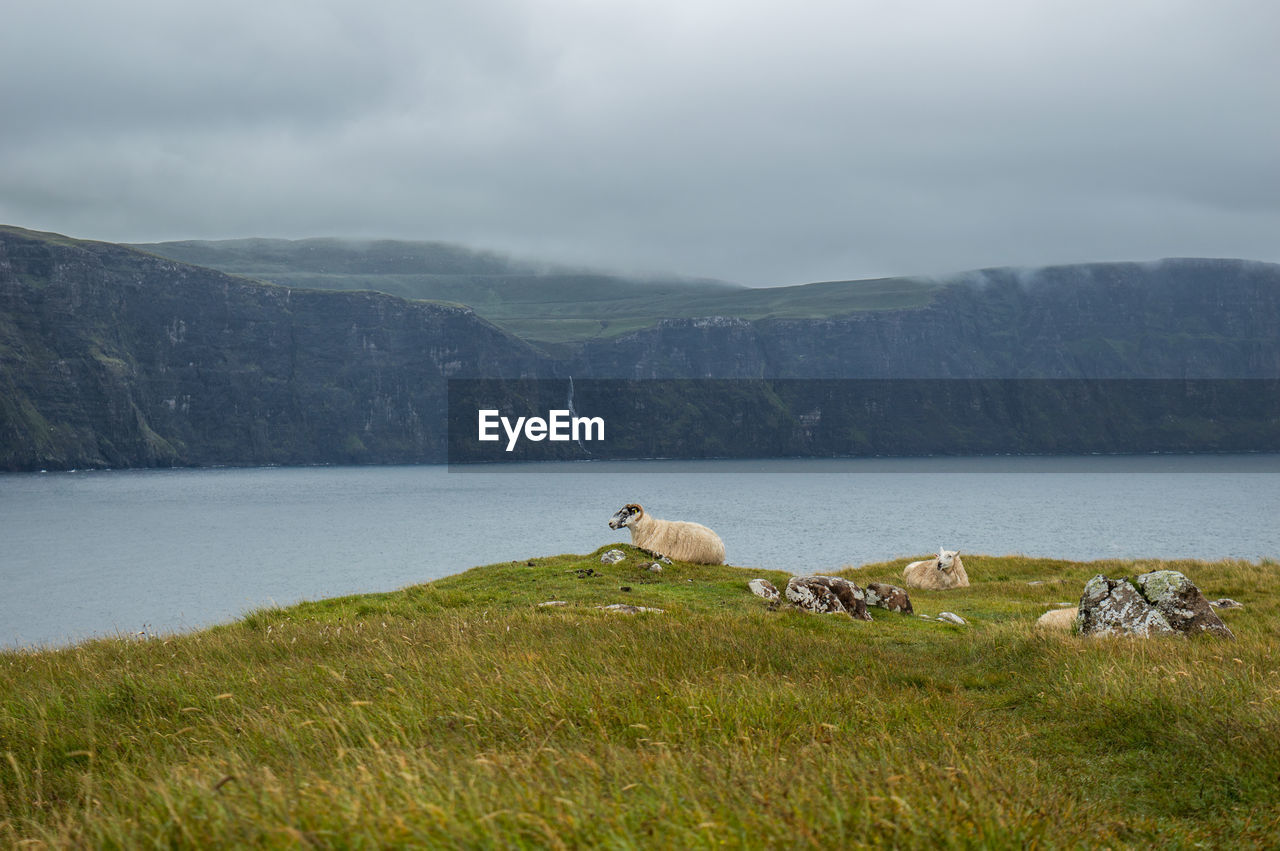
<point>625,516</point>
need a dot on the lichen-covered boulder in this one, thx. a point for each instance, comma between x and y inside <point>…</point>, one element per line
<point>1180,601</point>
<point>612,557</point>
<point>764,588</point>
<point>889,597</point>
<point>828,594</point>
<point>1114,607</point>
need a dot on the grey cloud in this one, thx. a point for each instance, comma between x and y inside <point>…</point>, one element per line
<point>757,141</point>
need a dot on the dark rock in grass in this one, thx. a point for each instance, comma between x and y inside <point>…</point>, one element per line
<point>1226,603</point>
<point>612,557</point>
<point>1180,601</point>
<point>764,588</point>
<point>828,594</point>
<point>1114,607</point>
<point>889,597</point>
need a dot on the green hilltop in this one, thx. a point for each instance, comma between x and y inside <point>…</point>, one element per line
<point>461,713</point>
<point>543,304</point>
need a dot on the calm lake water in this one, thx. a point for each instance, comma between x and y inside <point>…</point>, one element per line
<point>95,553</point>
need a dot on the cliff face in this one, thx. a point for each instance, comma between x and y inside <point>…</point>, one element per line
<point>112,357</point>
<point>1173,319</point>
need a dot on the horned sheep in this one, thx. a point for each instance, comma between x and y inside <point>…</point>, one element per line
<point>940,573</point>
<point>675,539</point>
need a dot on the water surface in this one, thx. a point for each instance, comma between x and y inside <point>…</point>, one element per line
<point>94,553</point>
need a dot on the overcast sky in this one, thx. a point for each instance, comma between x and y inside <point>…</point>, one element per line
<point>763,142</point>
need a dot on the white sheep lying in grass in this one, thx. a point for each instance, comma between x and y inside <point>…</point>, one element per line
<point>1063,619</point>
<point>675,539</point>
<point>937,574</point>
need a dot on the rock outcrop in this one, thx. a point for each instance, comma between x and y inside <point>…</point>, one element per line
<point>827,595</point>
<point>1180,601</point>
<point>889,597</point>
<point>1163,602</point>
<point>765,589</point>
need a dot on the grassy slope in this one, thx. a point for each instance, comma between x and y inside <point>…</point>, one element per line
<point>557,309</point>
<point>552,306</point>
<point>460,712</point>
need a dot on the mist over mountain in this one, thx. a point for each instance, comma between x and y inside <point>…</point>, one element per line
<point>114,356</point>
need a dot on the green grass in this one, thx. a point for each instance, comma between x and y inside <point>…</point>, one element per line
<point>459,713</point>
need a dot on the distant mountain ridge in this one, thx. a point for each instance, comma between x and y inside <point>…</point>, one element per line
<point>112,356</point>
<point>548,304</point>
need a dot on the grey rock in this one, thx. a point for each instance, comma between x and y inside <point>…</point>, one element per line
<point>623,608</point>
<point>553,603</point>
<point>889,597</point>
<point>952,617</point>
<point>764,588</point>
<point>828,594</point>
<point>612,557</point>
<point>655,568</point>
<point>1180,601</point>
<point>1226,603</point>
<point>1114,607</point>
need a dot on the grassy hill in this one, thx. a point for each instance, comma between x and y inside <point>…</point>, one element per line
<point>545,304</point>
<point>459,713</point>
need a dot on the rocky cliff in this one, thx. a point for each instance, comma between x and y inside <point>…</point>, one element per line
<point>1173,319</point>
<point>110,356</point>
<point>113,357</point>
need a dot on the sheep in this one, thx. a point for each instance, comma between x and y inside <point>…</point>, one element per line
<point>937,574</point>
<point>675,539</point>
<point>1063,619</point>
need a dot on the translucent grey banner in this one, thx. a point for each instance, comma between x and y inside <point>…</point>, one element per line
<point>544,420</point>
